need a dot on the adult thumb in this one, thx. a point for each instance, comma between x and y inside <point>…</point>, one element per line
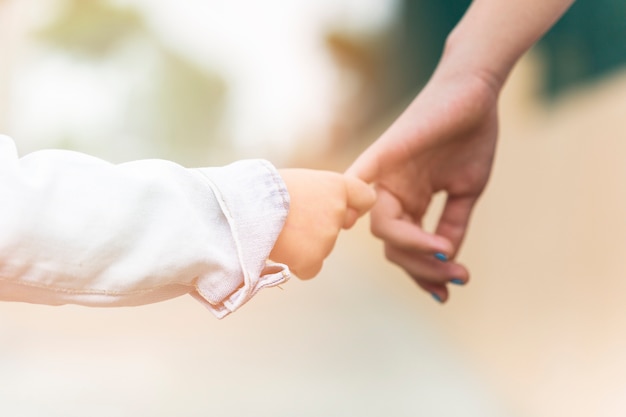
<point>365,167</point>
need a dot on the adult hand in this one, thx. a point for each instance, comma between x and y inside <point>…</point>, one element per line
<point>444,141</point>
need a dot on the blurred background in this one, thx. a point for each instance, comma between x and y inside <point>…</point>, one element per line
<point>541,330</point>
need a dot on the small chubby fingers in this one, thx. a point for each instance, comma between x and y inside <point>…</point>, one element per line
<point>360,195</point>
<point>360,198</point>
<point>351,218</point>
<point>309,271</point>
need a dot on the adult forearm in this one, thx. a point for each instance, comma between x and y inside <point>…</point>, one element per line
<point>494,34</point>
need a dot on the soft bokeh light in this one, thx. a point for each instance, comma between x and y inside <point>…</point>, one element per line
<point>538,332</point>
<point>280,84</point>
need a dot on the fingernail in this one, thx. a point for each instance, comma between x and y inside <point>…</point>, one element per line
<point>441,256</point>
<point>457,281</point>
<point>436,297</point>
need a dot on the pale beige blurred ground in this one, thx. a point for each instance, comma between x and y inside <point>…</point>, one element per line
<point>545,315</point>
<point>544,319</point>
<point>541,330</point>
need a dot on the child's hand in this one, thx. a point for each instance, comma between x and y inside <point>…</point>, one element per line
<point>322,203</point>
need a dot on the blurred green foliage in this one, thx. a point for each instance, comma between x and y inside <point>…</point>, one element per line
<point>424,26</point>
<point>587,43</point>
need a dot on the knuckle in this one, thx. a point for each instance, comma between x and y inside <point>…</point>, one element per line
<point>392,254</point>
<point>377,229</point>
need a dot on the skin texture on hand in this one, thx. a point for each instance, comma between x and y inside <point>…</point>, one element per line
<point>322,203</point>
<point>444,141</point>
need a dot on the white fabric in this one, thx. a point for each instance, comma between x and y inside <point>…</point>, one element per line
<point>76,229</point>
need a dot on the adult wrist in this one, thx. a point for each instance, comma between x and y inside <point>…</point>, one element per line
<point>462,60</point>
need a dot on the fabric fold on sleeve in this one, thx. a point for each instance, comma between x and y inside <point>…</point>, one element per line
<point>255,203</point>
<point>75,229</point>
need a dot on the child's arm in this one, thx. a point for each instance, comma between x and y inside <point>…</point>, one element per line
<point>76,229</point>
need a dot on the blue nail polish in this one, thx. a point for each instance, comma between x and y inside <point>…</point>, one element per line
<point>436,297</point>
<point>441,256</point>
<point>457,281</point>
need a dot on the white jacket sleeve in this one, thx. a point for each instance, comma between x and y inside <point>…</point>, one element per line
<point>76,229</point>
